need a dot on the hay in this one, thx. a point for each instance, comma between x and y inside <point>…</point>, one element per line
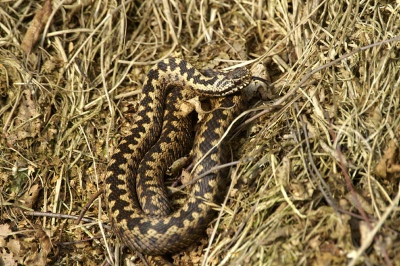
<point>322,144</point>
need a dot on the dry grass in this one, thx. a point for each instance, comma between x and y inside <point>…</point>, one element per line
<point>314,141</point>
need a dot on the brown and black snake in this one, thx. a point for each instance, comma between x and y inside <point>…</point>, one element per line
<point>138,205</point>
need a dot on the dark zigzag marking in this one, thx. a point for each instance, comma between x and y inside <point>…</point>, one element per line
<point>172,64</point>
<point>161,66</point>
<point>138,242</point>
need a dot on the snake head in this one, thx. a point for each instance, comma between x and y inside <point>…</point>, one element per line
<point>234,81</point>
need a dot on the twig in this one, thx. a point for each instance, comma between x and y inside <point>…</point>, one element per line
<point>62,216</point>
<point>86,207</point>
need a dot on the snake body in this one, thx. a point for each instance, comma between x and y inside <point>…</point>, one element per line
<point>139,210</point>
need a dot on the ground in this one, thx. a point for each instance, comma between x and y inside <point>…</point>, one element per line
<point>317,175</point>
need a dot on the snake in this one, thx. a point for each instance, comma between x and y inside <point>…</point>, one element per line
<point>138,205</point>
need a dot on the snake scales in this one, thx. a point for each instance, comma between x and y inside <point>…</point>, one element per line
<point>138,205</point>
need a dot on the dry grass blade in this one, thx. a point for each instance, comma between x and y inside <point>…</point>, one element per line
<point>320,147</point>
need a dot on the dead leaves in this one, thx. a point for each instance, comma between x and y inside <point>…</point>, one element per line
<point>30,197</point>
<point>40,257</point>
<point>15,250</point>
<point>389,163</point>
<point>36,27</point>
<point>27,122</point>
<point>4,232</point>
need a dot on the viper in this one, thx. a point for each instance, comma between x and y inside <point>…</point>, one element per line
<point>138,205</point>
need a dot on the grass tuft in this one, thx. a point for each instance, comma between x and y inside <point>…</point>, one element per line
<point>318,165</point>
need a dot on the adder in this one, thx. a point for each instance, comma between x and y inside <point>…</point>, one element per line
<point>138,204</point>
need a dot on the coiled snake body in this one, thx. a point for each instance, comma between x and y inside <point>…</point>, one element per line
<point>141,215</point>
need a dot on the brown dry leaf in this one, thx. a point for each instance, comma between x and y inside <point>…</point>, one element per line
<point>195,104</point>
<point>27,122</point>
<point>30,197</point>
<point>35,29</point>
<point>5,230</point>
<point>388,163</point>
<point>257,87</point>
<point>190,105</point>
<point>45,242</point>
<point>14,246</point>
<point>186,177</point>
<point>7,258</point>
<point>177,166</point>
<point>40,258</point>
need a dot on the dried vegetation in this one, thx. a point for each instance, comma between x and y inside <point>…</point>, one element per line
<point>319,170</point>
